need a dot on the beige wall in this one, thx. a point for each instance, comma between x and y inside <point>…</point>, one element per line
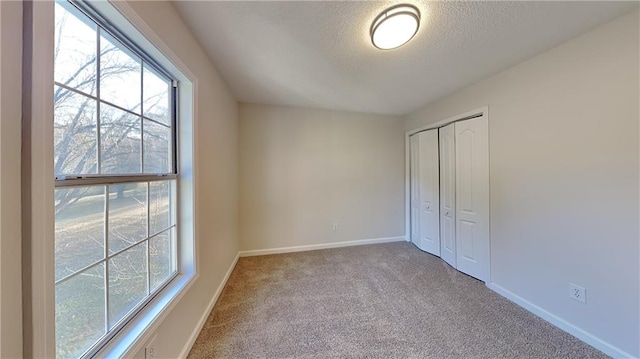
<point>10,147</point>
<point>564,178</point>
<point>216,171</point>
<point>301,170</point>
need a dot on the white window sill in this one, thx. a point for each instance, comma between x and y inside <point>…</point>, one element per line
<point>139,330</point>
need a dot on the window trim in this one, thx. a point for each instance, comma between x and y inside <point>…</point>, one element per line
<point>39,186</point>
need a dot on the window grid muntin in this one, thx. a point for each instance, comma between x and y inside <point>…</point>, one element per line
<point>99,122</point>
<point>106,254</point>
<point>81,180</point>
<point>93,264</point>
<point>111,325</point>
<point>141,119</point>
<point>95,98</point>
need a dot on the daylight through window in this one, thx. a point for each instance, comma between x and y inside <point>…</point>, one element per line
<point>116,179</point>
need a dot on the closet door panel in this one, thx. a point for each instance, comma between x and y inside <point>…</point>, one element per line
<point>447,194</point>
<point>472,197</point>
<point>415,194</point>
<point>429,192</point>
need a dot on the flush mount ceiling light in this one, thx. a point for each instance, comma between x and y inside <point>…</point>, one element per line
<point>395,26</point>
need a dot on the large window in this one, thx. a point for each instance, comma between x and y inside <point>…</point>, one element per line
<point>115,181</point>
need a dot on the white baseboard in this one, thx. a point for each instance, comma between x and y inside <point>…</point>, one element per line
<point>262,252</point>
<point>196,331</point>
<point>586,337</point>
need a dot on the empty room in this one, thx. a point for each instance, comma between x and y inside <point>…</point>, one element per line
<point>319,179</point>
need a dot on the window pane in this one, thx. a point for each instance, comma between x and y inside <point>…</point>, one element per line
<point>127,281</point>
<point>80,312</point>
<point>157,154</point>
<point>79,239</point>
<point>75,51</point>
<point>120,75</point>
<point>159,206</point>
<point>75,133</point>
<point>156,96</point>
<point>160,258</point>
<point>127,215</point>
<point>119,141</point>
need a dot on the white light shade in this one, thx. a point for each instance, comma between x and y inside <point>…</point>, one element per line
<point>395,26</point>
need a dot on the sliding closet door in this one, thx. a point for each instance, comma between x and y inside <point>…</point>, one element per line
<point>429,192</point>
<point>472,197</point>
<point>415,185</point>
<point>448,194</point>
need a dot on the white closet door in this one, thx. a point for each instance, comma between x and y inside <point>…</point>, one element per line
<point>448,194</point>
<point>472,197</point>
<point>429,192</point>
<point>415,193</point>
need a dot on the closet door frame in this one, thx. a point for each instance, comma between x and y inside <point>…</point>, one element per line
<point>482,111</point>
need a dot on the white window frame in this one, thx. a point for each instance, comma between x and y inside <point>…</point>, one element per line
<point>39,139</point>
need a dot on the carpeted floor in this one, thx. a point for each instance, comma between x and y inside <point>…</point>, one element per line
<point>374,301</point>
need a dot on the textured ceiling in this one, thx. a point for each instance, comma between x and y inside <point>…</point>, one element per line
<point>318,54</point>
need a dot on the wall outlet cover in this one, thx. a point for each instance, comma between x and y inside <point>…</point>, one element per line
<point>578,293</point>
<point>150,349</point>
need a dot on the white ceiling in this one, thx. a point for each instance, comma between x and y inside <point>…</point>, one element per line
<point>318,53</point>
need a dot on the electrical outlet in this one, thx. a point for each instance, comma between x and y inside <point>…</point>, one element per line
<point>150,349</point>
<point>578,293</point>
<point>335,226</point>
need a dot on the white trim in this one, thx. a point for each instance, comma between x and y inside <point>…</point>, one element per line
<point>477,112</point>
<point>482,111</point>
<point>407,187</point>
<point>41,221</point>
<point>149,35</point>
<point>581,334</point>
<point>311,247</point>
<point>196,331</point>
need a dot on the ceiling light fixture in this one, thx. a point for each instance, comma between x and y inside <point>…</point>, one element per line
<point>395,26</point>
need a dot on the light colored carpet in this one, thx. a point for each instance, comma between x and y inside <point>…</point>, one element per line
<point>374,301</point>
